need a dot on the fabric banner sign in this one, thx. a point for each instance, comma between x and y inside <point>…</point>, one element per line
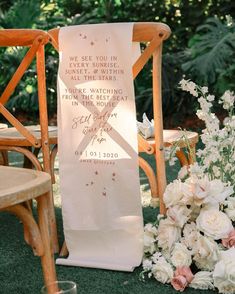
<point>98,151</point>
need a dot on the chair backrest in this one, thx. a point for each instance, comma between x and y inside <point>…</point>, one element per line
<point>35,41</point>
<point>153,34</point>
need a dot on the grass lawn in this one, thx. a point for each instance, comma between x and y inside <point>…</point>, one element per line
<point>20,271</point>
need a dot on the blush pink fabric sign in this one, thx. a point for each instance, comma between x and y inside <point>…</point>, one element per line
<point>98,152</point>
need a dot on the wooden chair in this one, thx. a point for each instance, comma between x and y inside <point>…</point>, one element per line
<point>23,139</point>
<point>153,34</point>
<point>4,157</point>
<point>18,185</point>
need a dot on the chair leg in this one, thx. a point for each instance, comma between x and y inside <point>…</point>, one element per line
<point>31,231</point>
<point>182,158</point>
<point>29,206</point>
<point>150,175</point>
<point>64,250</point>
<point>38,237</point>
<point>47,259</point>
<point>5,160</point>
<point>52,223</point>
<point>152,181</point>
<point>52,160</point>
<point>191,156</point>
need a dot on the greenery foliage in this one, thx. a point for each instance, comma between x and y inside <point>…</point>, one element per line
<point>210,50</point>
<point>201,45</point>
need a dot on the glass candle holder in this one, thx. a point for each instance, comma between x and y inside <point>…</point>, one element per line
<point>60,287</point>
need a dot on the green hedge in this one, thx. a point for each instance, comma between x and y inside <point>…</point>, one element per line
<point>201,45</point>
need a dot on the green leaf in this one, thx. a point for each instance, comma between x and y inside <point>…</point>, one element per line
<point>211,50</point>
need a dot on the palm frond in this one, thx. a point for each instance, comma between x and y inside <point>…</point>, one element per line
<point>211,50</point>
<point>22,14</point>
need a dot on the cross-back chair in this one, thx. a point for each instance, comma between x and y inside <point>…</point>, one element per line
<point>18,185</point>
<point>152,34</point>
<point>28,140</point>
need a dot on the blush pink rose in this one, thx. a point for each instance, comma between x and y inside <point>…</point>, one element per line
<point>184,271</point>
<point>182,277</point>
<point>179,283</point>
<point>230,241</point>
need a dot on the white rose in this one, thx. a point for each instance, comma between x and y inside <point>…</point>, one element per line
<point>200,189</point>
<point>147,264</point>
<point>162,271</point>
<point>230,210</point>
<point>150,229</point>
<point>149,238</point>
<point>178,214</point>
<point>168,234</point>
<point>214,223</point>
<point>225,287</point>
<point>209,193</point>
<point>149,244</point>
<point>224,272</point>
<point>219,191</point>
<point>166,254</point>
<point>190,234</point>
<point>205,253</point>
<point>177,193</point>
<point>202,280</point>
<point>181,256</point>
<point>156,256</point>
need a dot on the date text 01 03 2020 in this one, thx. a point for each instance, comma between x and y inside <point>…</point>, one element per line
<point>94,154</point>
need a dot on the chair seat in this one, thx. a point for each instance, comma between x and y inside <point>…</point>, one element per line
<point>174,136</point>
<point>20,184</point>
<point>9,136</point>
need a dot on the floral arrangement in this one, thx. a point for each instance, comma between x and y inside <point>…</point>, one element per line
<point>218,156</point>
<point>194,244</point>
